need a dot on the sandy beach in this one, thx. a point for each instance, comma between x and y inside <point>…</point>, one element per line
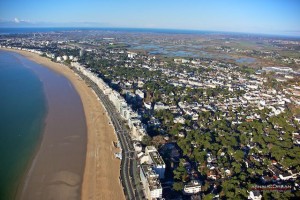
<point>101,171</point>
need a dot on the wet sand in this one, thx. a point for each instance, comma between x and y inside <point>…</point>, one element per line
<point>59,162</point>
<point>64,167</point>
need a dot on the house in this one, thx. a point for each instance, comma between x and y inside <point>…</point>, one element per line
<point>179,120</point>
<point>212,174</point>
<point>58,59</point>
<point>160,106</point>
<point>193,187</point>
<point>296,138</point>
<point>131,54</point>
<point>254,195</point>
<point>147,105</point>
<point>140,94</point>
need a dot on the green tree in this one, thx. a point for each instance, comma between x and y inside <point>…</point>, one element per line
<point>238,155</point>
<point>180,173</point>
<point>178,186</point>
<point>146,140</point>
<point>209,197</point>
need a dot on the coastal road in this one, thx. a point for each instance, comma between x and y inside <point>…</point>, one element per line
<point>128,166</point>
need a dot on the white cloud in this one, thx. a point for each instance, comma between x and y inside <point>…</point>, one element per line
<point>16,20</point>
<point>19,21</point>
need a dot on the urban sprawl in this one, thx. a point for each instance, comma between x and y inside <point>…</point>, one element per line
<point>200,128</point>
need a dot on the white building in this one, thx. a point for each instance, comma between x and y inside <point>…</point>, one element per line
<point>160,106</point>
<point>147,105</point>
<point>179,120</point>
<point>81,52</point>
<point>184,61</point>
<point>65,57</point>
<point>50,55</point>
<point>177,60</point>
<point>132,118</point>
<point>138,132</point>
<point>137,147</point>
<point>151,183</point>
<point>192,187</point>
<point>140,94</point>
<point>131,54</point>
<point>254,195</point>
<point>156,160</point>
<point>58,59</point>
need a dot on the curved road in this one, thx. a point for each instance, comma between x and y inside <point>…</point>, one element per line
<point>128,162</point>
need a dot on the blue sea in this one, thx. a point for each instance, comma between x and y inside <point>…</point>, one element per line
<point>26,30</point>
<point>58,29</point>
<point>30,94</point>
<point>23,108</point>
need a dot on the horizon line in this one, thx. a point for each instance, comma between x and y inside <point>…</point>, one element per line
<point>159,28</point>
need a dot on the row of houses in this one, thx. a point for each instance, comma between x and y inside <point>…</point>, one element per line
<point>132,118</point>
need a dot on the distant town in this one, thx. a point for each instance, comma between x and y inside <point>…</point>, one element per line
<point>212,116</point>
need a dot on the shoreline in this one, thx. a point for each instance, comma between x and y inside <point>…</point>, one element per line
<point>101,170</point>
<point>31,161</point>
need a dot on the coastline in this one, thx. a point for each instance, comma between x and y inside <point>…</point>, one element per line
<point>101,171</point>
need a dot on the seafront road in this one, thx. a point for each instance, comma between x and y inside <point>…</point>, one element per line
<point>129,167</point>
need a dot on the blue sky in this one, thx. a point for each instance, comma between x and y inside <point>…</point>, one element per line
<point>255,16</point>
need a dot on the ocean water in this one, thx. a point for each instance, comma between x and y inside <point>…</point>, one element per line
<point>23,30</point>
<point>23,108</point>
